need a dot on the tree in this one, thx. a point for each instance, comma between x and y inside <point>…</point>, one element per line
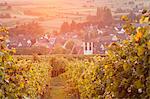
<point>104,15</point>
<point>65,27</point>
<point>107,16</point>
<point>73,25</point>
<point>30,30</point>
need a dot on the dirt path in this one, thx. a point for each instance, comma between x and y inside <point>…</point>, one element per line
<point>57,89</point>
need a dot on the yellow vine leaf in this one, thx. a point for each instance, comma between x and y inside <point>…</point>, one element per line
<point>126,67</point>
<point>140,50</point>
<point>22,85</point>
<point>138,84</point>
<point>138,36</point>
<point>148,44</point>
<point>124,18</point>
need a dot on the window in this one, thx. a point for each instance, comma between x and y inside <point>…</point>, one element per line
<point>86,46</point>
<point>90,46</point>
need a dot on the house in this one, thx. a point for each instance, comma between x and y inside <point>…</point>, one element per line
<point>45,42</point>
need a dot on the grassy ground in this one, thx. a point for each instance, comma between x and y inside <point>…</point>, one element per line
<point>57,89</point>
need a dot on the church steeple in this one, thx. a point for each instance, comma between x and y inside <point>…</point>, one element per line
<point>88,45</point>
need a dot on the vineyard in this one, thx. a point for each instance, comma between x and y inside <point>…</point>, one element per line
<point>123,73</point>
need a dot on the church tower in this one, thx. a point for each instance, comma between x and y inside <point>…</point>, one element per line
<point>88,44</point>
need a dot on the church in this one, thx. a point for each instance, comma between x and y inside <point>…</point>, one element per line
<point>88,44</point>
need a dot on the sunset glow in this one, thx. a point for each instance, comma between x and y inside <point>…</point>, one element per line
<point>74,49</point>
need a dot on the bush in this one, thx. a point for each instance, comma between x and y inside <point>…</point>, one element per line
<point>26,78</point>
<point>58,65</point>
<point>33,50</point>
<point>21,78</point>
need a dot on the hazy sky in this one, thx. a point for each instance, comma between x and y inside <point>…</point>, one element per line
<point>35,1</point>
<point>44,1</point>
<point>49,2</point>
